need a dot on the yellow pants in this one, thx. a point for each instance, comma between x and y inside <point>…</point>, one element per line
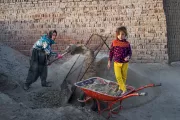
<point>121,70</point>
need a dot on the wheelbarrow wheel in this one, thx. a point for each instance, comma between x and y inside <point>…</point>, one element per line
<point>94,106</point>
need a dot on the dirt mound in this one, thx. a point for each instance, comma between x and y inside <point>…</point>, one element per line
<point>6,84</point>
<point>47,103</point>
<point>18,111</point>
<point>13,63</point>
<point>47,99</point>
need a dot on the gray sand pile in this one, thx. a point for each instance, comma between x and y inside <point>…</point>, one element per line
<point>13,64</point>
<point>18,111</point>
<point>38,102</point>
<point>6,84</point>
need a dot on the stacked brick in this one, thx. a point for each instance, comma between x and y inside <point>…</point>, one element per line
<point>23,21</point>
<point>172,11</point>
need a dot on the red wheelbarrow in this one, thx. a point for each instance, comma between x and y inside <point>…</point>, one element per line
<point>107,98</point>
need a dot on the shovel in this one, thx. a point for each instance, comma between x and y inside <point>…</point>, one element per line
<point>69,49</point>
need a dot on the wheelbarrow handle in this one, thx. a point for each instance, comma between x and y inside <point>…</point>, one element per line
<point>159,84</point>
<point>49,63</point>
<point>143,94</point>
<point>85,100</point>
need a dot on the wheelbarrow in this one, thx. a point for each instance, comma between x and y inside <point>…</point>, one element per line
<point>110,99</point>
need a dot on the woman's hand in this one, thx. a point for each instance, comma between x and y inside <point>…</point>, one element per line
<point>59,56</point>
<point>109,64</point>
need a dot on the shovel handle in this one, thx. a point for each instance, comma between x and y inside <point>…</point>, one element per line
<point>49,63</point>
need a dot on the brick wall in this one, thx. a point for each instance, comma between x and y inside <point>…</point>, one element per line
<point>23,21</point>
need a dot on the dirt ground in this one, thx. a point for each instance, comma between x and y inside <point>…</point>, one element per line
<point>38,103</point>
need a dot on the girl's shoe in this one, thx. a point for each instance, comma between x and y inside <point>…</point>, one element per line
<point>123,93</point>
<point>118,93</point>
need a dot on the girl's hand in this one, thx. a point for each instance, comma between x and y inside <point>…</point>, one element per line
<point>126,58</point>
<point>109,64</point>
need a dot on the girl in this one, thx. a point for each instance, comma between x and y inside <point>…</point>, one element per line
<point>121,52</point>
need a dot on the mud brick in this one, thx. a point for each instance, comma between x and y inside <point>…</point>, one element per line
<point>76,20</point>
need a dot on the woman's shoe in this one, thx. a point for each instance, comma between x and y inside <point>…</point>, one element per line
<point>119,92</point>
<point>25,86</point>
<point>46,85</point>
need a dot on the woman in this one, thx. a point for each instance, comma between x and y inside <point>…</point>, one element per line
<point>38,63</point>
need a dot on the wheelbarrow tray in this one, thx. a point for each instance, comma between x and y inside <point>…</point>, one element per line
<point>99,95</point>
